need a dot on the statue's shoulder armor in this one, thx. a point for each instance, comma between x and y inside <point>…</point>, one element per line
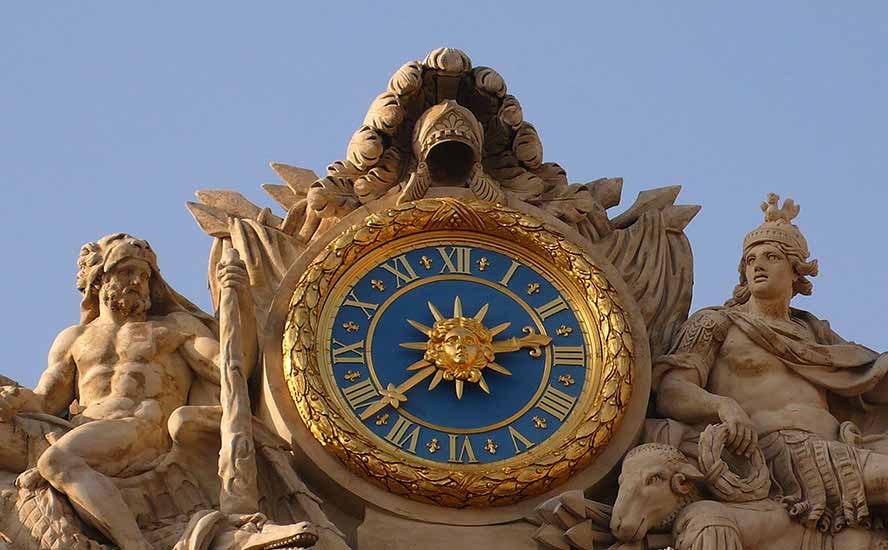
<point>703,328</point>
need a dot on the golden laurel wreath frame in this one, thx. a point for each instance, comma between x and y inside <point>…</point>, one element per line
<point>586,433</point>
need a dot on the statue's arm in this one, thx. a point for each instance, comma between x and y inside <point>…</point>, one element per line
<point>681,397</point>
<point>57,386</point>
<point>233,274</point>
<point>682,375</point>
<point>200,349</point>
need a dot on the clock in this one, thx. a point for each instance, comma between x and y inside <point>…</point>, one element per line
<point>458,353</point>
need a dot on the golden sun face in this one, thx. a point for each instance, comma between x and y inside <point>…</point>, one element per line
<point>460,348</point>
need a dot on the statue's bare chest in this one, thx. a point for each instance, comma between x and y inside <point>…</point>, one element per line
<point>106,351</point>
<point>134,341</point>
<point>741,357</point>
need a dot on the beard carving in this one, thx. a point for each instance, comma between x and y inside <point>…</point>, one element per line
<point>124,299</point>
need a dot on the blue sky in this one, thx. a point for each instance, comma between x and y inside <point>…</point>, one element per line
<point>113,114</point>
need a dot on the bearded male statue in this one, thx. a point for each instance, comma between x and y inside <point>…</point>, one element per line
<point>140,352</point>
<point>777,377</point>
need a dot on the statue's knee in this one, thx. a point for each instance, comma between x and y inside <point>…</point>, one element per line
<point>190,424</point>
<point>55,464</point>
<point>175,424</point>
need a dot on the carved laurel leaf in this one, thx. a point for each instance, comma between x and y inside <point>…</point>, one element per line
<point>450,61</point>
<point>527,146</point>
<point>510,112</point>
<point>554,175</point>
<point>570,203</point>
<point>381,178</point>
<point>332,197</point>
<point>385,113</point>
<point>365,148</point>
<point>524,185</point>
<point>407,80</point>
<point>649,199</point>
<point>489,81</point>
<point>343,169</point>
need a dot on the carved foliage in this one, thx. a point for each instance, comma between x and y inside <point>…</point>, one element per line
<point>511,148</point>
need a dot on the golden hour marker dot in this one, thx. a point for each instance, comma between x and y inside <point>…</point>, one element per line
<point>566,380</point>
<point>426,262</point>
<point>377,284</point>
<point>433,445</point>
<point>351,327</point>
<point>483,264</point>
<point>382,419</point>
<point>533,288</point>
<point>564,330</point>
<point>352,375</point>
<point>539,423</point>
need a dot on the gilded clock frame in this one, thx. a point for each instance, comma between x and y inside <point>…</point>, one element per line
<point>583,436</point>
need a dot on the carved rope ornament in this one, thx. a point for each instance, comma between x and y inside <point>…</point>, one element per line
<point>497,477</point>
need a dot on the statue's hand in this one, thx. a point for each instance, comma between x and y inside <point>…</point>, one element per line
<point>742,434</point>
<point>249,522</point>
<point>233,274</point>
<point>12,400</point>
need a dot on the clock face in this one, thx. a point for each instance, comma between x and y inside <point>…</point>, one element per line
<point>456,351</point>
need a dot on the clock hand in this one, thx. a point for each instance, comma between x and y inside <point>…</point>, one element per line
<point>532,340</point>
<point>395,393</point>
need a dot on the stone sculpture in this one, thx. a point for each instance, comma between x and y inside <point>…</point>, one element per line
<point>661,489</point>
<point>793,456</point>
<point>769,371</point>
<point>138,378</point>
<point>765,430</point>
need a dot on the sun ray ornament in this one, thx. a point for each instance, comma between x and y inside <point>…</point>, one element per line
<point>460,347</point>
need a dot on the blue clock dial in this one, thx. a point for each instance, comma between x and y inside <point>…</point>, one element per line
<point>458,353</point>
